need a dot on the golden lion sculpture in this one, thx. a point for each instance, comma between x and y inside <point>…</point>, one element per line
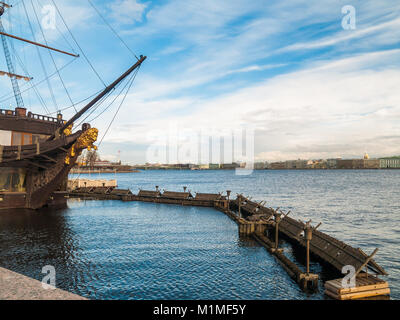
<point>85,141</point>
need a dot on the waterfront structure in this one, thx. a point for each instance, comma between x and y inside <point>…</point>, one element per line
<point>389,163</point>
<point>296,164</point>
<point>214,166</point>
<point>87,183</point>
<point>358,164</point>
<point>199,167</point>
<point>229,166</point>
<point>260,165</point>
<point>332,163</point>
<point>258,221</point>
<point>372,164</point>
<point>277,165</point>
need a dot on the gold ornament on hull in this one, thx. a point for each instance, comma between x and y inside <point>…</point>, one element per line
<point>68,130</point>
<point>85,141</point>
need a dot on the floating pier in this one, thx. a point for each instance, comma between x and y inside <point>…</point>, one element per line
<point>365,287</point>
<point>266,225</point>
<point>88,183</point>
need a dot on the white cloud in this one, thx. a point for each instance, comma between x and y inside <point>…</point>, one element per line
<point>127,11</point>
<point>327,109</point>
<point>256,68</point>
<point>388,28</point>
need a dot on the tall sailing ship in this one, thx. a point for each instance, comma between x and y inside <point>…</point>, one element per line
<point>38,151</point>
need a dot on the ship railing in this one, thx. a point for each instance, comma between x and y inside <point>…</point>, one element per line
<point>8,112</point>
<point>30,115</point>
<point>41,117</point>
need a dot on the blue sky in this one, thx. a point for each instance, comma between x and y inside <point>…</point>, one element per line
<point>287,68</point>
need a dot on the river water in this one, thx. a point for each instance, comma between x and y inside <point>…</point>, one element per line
<point>131,250</point>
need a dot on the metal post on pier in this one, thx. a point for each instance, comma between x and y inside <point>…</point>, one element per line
<point>308,280</point>
<point>239,197</point>
<point>308,237</point>
<point>277,217</point>
<point>228,193</point>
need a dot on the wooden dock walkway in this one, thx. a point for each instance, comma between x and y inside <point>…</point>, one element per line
<point>256,220</point>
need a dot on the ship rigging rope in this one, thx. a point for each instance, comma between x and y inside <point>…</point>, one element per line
<point>112,29</point>
<point>116,97</point>
<point>76,42</point>
<point>40,57</point>
<point>109,94</point>
<point>10,96</point>
<point>51,55</point>
<point>102,100</point>
<point>96,106</point>
<point>30,83</point>
<point>78,103</point>
<point>130,82</point>
<point>122,102</point>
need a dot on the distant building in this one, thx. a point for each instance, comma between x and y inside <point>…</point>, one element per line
<point>229,166</point>
<point>182,165</point>
<point>213,166</point>
<point>296,164</point>
<point>371,164</point>
<point>260,165</point>
<point>332,163</point>
<point>102,163</point>
<point>365,163</point>
<point>277,165</point>
<point>317,164</point>
<point>389,163</point>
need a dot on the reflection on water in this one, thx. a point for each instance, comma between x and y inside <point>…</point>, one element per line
<point>124,250</point>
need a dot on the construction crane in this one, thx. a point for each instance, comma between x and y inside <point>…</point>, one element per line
<point>11,70</point>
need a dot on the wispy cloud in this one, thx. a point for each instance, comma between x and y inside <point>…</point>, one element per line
<point>328,109</point>
<point>127,11</point>
<point>389,31</point>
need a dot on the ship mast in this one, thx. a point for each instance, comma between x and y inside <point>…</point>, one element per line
<point>11,70</point>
